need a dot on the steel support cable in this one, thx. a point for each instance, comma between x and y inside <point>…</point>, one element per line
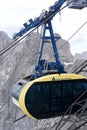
<point>74,34</point>
<point>2,106</point>
<point>12,44</point>
<point>79,113</point>
<point>81,66</point>
<point>29,32</point>
<point>20,118</point>
<point>78,30</point>
<point>58,127</point>
<point>80,125</point>
<point>15,119</point>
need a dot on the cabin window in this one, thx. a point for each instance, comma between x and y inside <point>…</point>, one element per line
<point>78,87</point>
<point>55,89</point>
<point>45,99</point>
<point>66,89</point>
<point>67,94</point>
<point>55,96</point>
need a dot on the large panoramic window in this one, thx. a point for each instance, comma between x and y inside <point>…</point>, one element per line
<point>49,98</point>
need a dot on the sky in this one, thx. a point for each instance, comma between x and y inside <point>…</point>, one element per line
<point>14,13</point>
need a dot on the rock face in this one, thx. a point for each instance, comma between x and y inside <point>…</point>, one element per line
<point>62,47</point>
<point>15,64</point>
<point>82,55</point>
<point>4,40</point>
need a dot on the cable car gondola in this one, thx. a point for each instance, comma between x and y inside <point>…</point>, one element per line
<point>49,95</point>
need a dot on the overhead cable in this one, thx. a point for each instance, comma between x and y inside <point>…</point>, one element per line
<point>29,32</point>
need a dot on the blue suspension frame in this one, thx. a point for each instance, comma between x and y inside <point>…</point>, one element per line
<point>40,66</point>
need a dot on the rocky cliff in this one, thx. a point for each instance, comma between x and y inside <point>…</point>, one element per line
<point>4,40</point>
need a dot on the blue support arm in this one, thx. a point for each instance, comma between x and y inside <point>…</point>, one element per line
<point>41,19</point>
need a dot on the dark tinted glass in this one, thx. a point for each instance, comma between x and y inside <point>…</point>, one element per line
<point>48,99</point>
